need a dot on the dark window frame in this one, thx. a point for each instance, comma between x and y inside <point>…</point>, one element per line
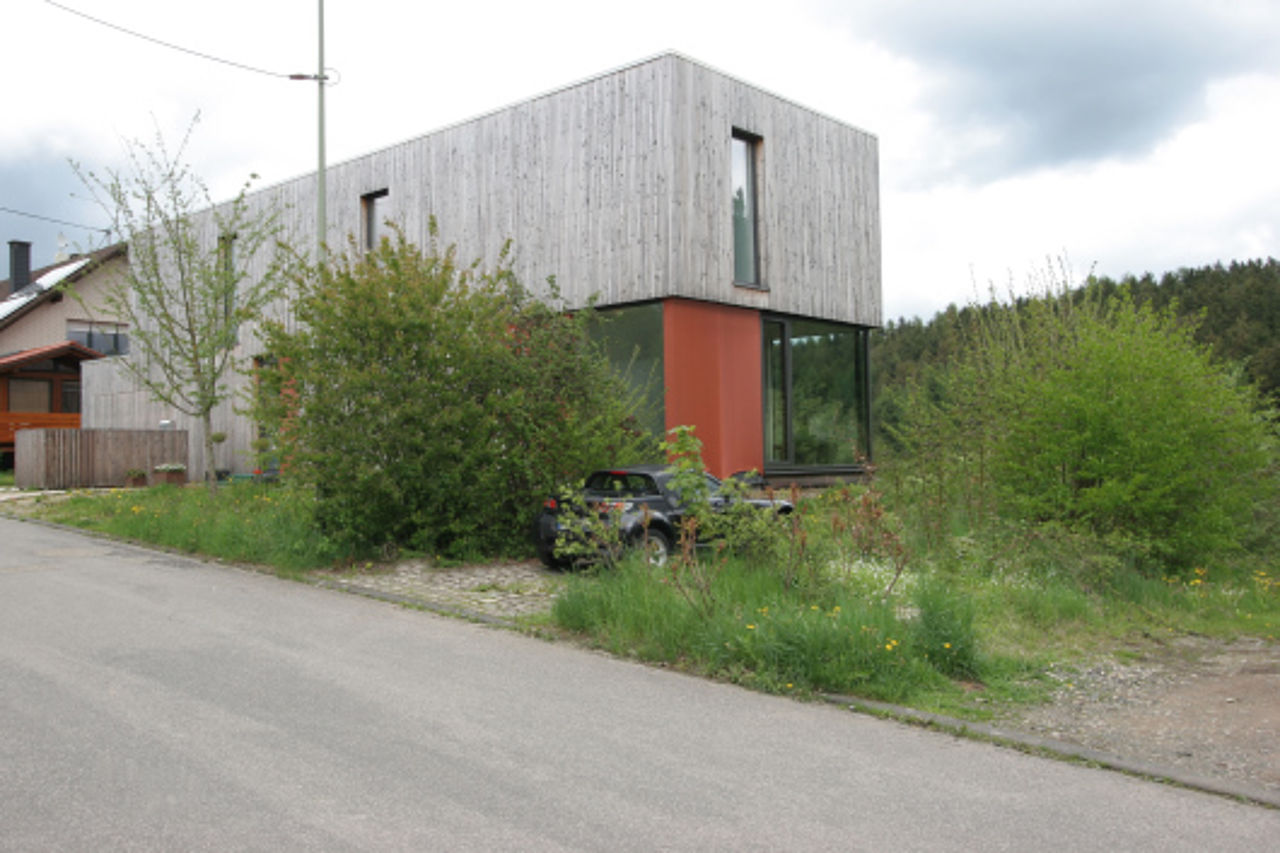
<point>861,378</point>
<point>751,143</point>
<point>369,224</point>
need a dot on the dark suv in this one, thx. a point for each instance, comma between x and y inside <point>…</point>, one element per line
<point>638,501</point>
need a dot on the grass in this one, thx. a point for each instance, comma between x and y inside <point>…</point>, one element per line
<point>922,649</point>
<point>243,522</point>
<point>6,478</point>
<point>969,629</point>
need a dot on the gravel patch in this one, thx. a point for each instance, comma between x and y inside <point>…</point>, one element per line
<point>1202,707</point>
<point>504,592</point>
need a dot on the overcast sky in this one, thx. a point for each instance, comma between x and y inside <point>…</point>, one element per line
<point>1119,136</point>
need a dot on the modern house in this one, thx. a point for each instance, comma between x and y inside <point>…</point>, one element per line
<point>46,334</point>
<point>731,236</point>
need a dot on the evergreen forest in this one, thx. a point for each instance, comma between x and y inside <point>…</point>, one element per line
<point>1234,310</point>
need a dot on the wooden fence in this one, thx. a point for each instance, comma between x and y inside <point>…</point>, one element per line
<point>77,458</point>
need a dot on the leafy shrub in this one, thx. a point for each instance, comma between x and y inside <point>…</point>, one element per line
<point>434,405</point>
<point>1096,414</point>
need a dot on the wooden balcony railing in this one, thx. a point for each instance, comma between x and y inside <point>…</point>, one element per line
<point>11,422</point>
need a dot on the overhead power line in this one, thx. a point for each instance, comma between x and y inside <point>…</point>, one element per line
<point>56,221</point>
<point>177,47</point>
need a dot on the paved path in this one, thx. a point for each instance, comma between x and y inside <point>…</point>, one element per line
<point>150,702</point>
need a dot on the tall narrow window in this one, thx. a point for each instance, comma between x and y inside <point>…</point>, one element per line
<point>746,257</point>
<point>372,213</point>
<point>228,282</point>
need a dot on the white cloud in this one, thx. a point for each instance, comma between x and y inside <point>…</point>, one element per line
<point>1201,187</point>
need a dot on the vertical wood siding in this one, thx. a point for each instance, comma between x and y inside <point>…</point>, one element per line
<point>73,458</point>
<point>619,187</point>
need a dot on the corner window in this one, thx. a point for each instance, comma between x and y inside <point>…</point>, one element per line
<point>816,393</point>
<point>744,149</point>
<point>373,214</point>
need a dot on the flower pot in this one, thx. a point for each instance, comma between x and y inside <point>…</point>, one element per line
<point>173,478</point>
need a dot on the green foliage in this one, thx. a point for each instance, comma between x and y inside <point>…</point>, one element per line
<point>435,405</point>
<point>596,534</point>
<point>191,279</point>
<point>797,603</point>
<point>1234,309</point>
<point>1089,411</point>
<point>944,630</point>
<point>243,522</point>
<point>690,573</point>
<point>764,634</point>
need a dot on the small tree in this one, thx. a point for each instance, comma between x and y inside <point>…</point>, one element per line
<point>188,287</point>
<point>436,405</point>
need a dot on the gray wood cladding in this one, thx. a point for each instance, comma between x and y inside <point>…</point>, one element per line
<point>619,186</point>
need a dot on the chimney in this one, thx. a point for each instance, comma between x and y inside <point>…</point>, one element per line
<point>19,266</point>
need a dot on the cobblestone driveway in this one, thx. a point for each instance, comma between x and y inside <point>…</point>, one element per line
<point>505,591</point>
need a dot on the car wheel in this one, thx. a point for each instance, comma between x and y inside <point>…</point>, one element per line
<point>657,547</point>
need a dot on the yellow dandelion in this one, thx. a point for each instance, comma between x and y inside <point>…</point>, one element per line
<point>751,626</point>
<point>946,645</point>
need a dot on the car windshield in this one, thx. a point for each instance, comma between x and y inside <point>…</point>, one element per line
<point>622,484</point>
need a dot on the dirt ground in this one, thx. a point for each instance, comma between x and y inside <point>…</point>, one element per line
<point>1199,706</point>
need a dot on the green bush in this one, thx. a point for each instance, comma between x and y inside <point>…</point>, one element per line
<point>435,405</point>
<point>1096,414</point>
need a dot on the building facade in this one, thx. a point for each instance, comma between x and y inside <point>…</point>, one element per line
<point>731,237</point>
<point>52,321</point>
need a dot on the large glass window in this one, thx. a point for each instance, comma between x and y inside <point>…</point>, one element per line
<point>815,393</point>
<point>30,395</point>
<point>746,257</point>
<point>632,338</point>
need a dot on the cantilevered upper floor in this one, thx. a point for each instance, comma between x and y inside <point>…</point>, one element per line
<point>664,178</point>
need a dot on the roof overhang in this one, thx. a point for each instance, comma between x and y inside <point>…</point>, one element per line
<point>66,351</point>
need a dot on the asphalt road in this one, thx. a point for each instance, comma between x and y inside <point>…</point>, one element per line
<point>150,702</point>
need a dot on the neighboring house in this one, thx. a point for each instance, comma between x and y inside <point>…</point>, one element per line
<point>45,335</point>
<point>732,236</point>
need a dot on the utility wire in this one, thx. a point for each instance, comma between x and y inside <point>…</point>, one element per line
<point>172,46</point>
<point>57,221</point>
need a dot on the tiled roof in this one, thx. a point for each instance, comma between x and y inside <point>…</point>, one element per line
<point>62,348</point>
<point>45,279</point>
